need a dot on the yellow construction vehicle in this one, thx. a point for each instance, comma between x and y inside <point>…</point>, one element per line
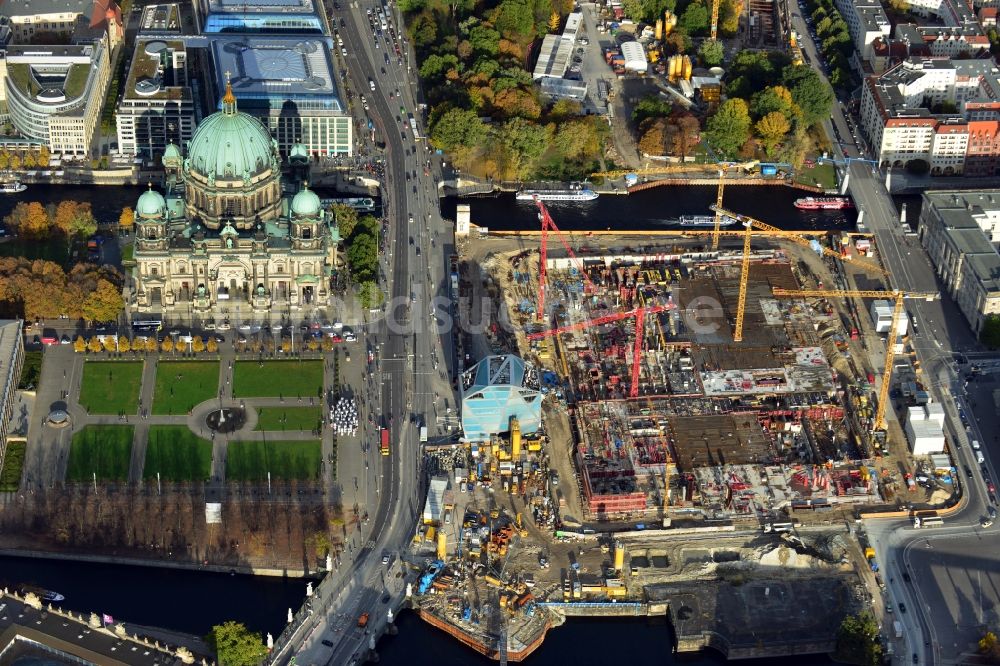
<point>890,342</point>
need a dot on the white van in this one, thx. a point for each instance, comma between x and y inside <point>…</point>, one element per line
<point>975,444</point>
<point>979,457</point>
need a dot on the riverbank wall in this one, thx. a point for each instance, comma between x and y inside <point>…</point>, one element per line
<point>463,187</point>
<point>162,564</point>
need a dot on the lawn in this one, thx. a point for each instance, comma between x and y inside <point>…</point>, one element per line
<point>251,461</point>
<point>276,379</point>
<point>177,454</point>
<point>824,175</point>
<point>111,387</point>
<point>288,418</point>
<point>13,462</point>
<point>180,385</point>
<point>102,449</point>
<point>31,371</point>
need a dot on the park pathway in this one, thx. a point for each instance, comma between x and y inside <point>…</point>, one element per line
<point>48,449</point>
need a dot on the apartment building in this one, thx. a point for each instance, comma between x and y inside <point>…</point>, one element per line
<point>866,22</point>
<point>922,109</point>
<point>945,42</point>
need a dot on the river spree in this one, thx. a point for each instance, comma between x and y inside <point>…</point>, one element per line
<point>192,601</point>
<point>654,209</point>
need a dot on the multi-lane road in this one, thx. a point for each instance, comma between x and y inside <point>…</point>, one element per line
<point>407,383</point>
<point>937,586</point>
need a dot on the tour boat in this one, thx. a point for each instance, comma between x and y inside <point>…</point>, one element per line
<point>13,188</point>
<point>704,221</point>
<point>582,194</point>
<point>823,203</point>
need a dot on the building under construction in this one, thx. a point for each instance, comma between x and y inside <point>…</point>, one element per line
<point>659,390</point>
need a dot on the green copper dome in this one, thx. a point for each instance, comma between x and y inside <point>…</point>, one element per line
<point>151,204</point>
<point>306,203</point>
<point>230,144</point>
<point>172,152</point>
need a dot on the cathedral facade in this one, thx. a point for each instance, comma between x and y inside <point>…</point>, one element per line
<point>225,241</point>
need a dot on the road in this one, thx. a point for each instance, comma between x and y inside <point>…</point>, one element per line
<point>409,379</point>
<point>937,626</point>
<point>940,332</point>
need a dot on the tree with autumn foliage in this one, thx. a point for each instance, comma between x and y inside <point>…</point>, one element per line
<point>29,220</point>
<point>79,345</point>
<point>772,129</point>
<point>104,303</point>
<point>43,290</point>
<point>653,140</point>
<point>127,219</point>
<point>74,219</point>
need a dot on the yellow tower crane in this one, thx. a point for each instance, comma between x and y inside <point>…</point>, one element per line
<point>723,168</point>
<point>890,343</point>
<point>715,18</point>
<point>750,225</point>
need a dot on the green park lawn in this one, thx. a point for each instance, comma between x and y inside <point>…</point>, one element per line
<point>251,461</point>
<point>275,379</point>
<point>177,454</point>
<point>180,385</point>
<point>288,418</point>
<point>111,387</point>
<point>13,463</point>
<point>823,175</point>
<point>102,449</point>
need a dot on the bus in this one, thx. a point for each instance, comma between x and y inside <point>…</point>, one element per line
<point>148,326</point>
<point>383,447</point>
<point>927,520</point>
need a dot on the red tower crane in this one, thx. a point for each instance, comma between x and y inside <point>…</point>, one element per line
<point>640,317</point>
<point>549,224</point>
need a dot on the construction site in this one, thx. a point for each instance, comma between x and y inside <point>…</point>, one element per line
<point>726,387</point>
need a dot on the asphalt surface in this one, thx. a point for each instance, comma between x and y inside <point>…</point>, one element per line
<point>948,588</point>
<point>933,633</point>
<point>409,377</point>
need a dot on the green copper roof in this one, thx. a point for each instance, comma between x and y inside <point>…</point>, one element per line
<point>151,204</point>
<point>306,203</point>
<point>172,152</point>
<point>230,145</point>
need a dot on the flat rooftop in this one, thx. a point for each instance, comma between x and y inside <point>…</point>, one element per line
<point>145,80</point>
<point>273,71</point>
<point>261,6</point>
<point>42,7</point>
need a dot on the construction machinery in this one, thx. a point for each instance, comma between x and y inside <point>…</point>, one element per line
<point>548,224</point>
<point>715,19</point>
<point>723,168</point>
<point>639,314</point>
<point>890,344</point>
<point>750,224</point>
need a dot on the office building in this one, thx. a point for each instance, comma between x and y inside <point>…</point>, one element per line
<point>55,93</point>
<point>300,17</point>
<point>960,230</point>
<point>289,85</point>
<point>11,362</point>
<point>156,107</point>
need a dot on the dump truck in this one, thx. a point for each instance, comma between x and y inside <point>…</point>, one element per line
<point>363,620</point>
